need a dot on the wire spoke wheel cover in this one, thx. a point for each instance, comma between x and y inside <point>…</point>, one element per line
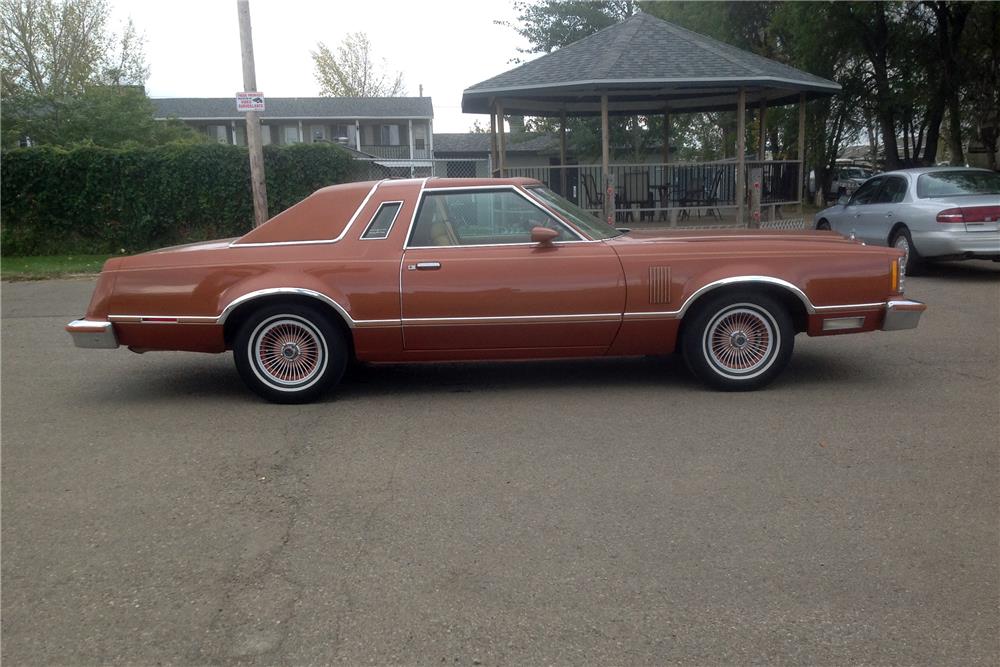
<point>902,243</point>
<point>741,341</point>
<point>287,352</point>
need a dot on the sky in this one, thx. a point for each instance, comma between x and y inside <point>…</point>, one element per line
<point>193,46</point>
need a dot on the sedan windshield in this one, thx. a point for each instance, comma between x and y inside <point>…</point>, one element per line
<point>590,224</point>
<point>957,183</point>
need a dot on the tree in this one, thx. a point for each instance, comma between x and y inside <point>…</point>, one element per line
<point>54,48</point>
<point>68,78</point>
<point>352,72</point>
<point>981,83</point>
<point>110,116</point>
<point>551,24</point>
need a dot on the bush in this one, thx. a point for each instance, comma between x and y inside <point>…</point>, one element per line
<point>100,200</point>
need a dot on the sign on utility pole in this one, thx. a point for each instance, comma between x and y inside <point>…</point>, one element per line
<point>252,102</point>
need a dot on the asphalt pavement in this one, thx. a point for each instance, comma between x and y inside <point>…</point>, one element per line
<point>571,512</point>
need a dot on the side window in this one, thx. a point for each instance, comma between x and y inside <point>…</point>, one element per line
<point>481,217</point>
<point>382,221</point>
<point>866,192</point>
<point>892,192</point>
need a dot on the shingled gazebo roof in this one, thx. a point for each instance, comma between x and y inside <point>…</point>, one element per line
<point>643,64</point>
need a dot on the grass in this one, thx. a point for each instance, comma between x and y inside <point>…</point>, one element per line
<point>49,266</point>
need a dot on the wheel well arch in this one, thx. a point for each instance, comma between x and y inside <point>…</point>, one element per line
<point>790,300</point>
<point>235,318</point>
<point>893,230</point>
<point>822,221</point>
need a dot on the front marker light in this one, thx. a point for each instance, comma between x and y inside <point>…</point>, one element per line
<point>897,276</point>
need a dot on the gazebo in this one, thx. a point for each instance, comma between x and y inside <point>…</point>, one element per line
<point>645,67</point>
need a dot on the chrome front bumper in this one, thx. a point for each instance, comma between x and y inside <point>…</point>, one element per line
<point>902,314</point>
<point>92,334</point>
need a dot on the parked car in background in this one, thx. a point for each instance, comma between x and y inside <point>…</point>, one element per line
<point>464,269</point>
<point>931,213</point>
<point>847,179</point>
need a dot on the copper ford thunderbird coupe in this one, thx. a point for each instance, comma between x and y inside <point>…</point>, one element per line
<point>469,269</point>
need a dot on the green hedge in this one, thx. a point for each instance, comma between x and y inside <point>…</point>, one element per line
<point>100,200</point>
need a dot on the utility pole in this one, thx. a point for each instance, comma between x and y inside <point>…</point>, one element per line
<point>253,120</point>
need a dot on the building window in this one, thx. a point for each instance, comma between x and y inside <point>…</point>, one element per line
<point>318,133</point>
<point>389,135</point>
<point>418,143</point>
<point>219,133</point>
<point>292,134</point>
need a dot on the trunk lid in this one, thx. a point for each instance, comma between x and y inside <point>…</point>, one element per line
<point>980,213</point>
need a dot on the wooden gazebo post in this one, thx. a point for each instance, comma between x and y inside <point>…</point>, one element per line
<point>562,154</point>
<point>607,184</point>
<point>502,162</point>
<point>494,154</point>
<point>741,157</point>
<point>802,145</point>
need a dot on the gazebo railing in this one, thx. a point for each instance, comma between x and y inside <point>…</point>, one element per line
<point>674,191</point>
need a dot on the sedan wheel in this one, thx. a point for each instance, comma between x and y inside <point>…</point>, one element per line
<point>738,341</point>
<point>289,354</point>
<point>823,225</point>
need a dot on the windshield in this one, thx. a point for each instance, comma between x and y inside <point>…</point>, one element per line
<point>958,183</point>
<point>590,224</point>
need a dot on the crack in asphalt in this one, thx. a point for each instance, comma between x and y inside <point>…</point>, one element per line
<point>260,596</point>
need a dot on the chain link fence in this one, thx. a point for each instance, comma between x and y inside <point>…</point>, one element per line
<point>379,168</point>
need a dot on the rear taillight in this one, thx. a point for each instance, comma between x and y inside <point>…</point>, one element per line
<point>981,213</point>
<point>970,214</point>
<point>951,215</point>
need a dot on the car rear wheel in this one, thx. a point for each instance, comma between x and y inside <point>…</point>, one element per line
<point>738,341</point>
<point>912,263</point>
<point>289,353</point>
<point>823,225</point>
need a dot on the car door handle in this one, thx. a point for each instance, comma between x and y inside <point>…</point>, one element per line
<point>889,214</point>
<point>424,266</point>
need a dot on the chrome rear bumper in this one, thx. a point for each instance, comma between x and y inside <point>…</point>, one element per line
<point>902,314</point>
<point>92,334</point>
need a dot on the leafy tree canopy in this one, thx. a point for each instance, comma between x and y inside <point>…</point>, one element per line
<point>353,71</point>
<point>67,78</point>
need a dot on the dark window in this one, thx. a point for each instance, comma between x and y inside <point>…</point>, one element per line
<point>959,182</point>
<point>893,191</point>
<point>382,221</point>
<point>480,217</point>
<point>866,192</point>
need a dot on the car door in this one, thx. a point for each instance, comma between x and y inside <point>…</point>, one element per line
<point>854,217</point>
<point>881,212</point>
<point>471,279</point>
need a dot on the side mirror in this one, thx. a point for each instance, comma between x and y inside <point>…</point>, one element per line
<point>543,235</point>
<point>842,200</point>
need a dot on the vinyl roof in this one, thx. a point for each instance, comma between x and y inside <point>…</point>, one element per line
<point>642,64</point>
<point>347,108</point>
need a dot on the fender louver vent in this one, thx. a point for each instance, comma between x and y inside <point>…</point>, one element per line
<point>659,284</point>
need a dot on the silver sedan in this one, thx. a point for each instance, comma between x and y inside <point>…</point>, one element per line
<point>928,213</point>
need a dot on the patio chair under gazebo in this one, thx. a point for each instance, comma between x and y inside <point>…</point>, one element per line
<point>642,67</point>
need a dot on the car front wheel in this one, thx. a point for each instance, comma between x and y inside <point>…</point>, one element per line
<point>289,353</point>
<point>738,341</point>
